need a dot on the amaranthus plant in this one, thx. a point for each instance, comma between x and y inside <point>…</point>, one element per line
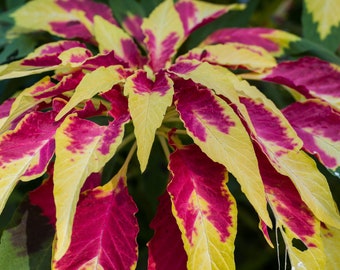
<point>112,88</point>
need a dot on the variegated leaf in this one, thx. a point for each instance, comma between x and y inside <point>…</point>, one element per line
<point>331,240</point>
<point>310,76</point>
<point>45,58</point>
<point>26,151</point>
<point>163,34</point>
<point>325,15</point>
<point>100,80</point>
<point>112,38</point>
<point>37,93</point>
<point>148,101</point>
<point>104,231</point>
<point>195,14</point>
<point>293,217</point>
<point>218,131</point>
<point>272,40</point>
<point>167,237</point>
<point>66,18</point>
<point>204,209</point>
<point>82,147</point>
<point>132,24</point>
<point>234,55</point>
<point>318,125</point>
<point>281,146</point>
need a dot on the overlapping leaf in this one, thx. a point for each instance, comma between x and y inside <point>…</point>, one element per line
<point>100,80</point>
<point>66,18</point>
<point>318,124</point>
<point>204,209</point>
<point>310,76</point>
<point>167,237</point>
<point>293,217</point>
<point>163,34</point>
<point>26,151</point>
<point>218,131</point>
<point>272,40</point>
<point>234,55</point>
<point>331,240</point>
<point>148,101</point>
<point>194,14</point>
<point>46,58</point>
<point>111,37</point>
<point>104,231</point>
<point>82,147</point>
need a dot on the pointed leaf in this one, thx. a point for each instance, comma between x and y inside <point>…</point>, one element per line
<point>204,209</point>
<point>325,15</point>
<point>36,94</point>
<point>26,151</point>
<point>82,147</point>
<point>331,241</point>
<point>218,131</point>
<point>195,14</point>
<point>293,215</point>
<point>104,231</point>
<point>112,38</point>
<point>234,55</point>
<point>311,77</point>
<point>272,40</point>
<point>148,101</point>
<point>167,237</point>
<point>132,24</point>
<point>280,145</point>
<point>318,125</point>
<point>100,80</point>
<point>164,34</point>
<point>69,19</point>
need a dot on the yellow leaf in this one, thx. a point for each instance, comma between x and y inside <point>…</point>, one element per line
<point>148,101</point>
<point>99,80</point>
<point>331,240</point>
<point>325,14</point>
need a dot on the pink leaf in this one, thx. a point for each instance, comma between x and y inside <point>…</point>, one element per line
<point>104,231</point>
<point>318,125</point>
<point>167,237</point>
<point>310,76</point>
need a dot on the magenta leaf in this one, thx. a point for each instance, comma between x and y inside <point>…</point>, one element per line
<point>310,76</point>
<point>318,125</point>
<point>104,231</point>
<point>167,237</point>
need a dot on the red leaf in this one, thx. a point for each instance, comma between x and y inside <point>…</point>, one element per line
<point>104,231</point>
<point>167,237</point>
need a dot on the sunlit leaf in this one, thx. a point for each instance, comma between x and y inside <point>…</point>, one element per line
<point>293,217</point>
<point>331,240</point>
<point>100,80</point>
<point>44,58</point>
<point>104,230</point>
<point>148,101</point>
<point>66,18</point>
<point>218,131</point>
<point>26,151</point>
<point>310,76</point>
<point>111,37</point>
<point>318,125</point>
<point>82,147</point>
<point>37,93</point>
<point>272,40</point>
<point>194,14</point>
<point>204,209</point>
<point>234,55</point>
<point>163,34</point>
<point>167,237</point>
